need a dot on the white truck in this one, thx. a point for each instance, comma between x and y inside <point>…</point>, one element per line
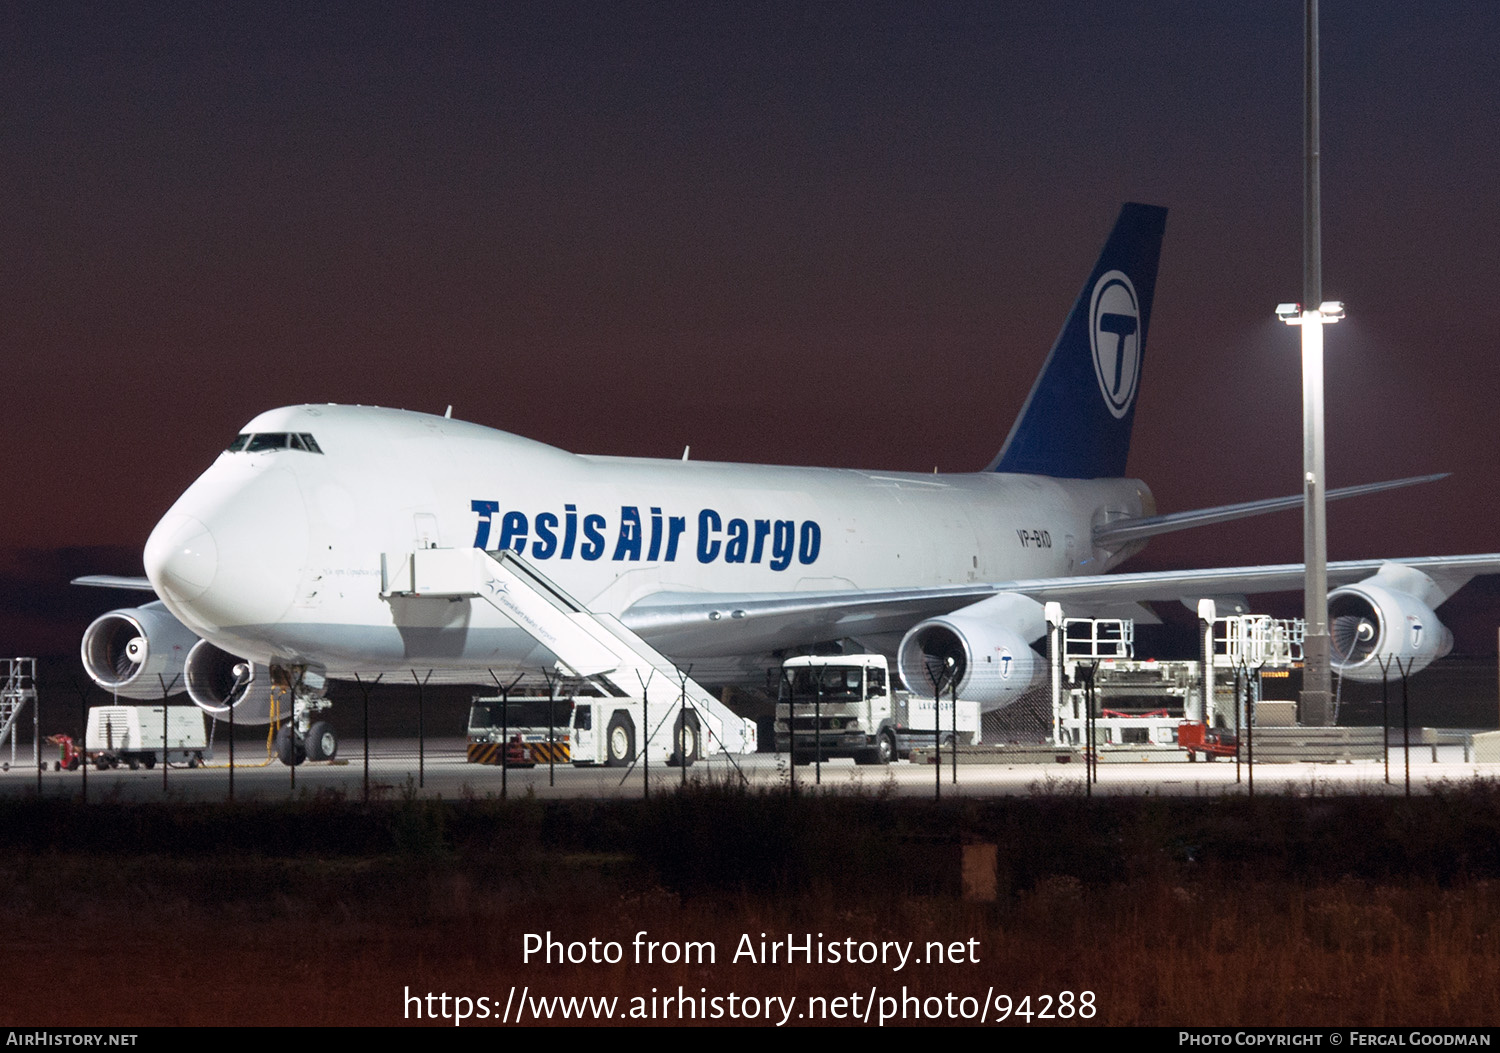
<point>845,706</point>
<point>132,736</point>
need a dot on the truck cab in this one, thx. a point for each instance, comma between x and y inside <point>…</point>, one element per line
<point>845,706</point>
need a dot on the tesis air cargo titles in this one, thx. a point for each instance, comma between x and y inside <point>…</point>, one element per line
<point>329,541</point>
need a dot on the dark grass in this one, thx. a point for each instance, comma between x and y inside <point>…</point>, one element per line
<point>1338,910</point>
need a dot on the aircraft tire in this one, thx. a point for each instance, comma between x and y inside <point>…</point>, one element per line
<point>687,739</point>
<point>288,750</point>
<point>619,740</point>
<point>322,742</point>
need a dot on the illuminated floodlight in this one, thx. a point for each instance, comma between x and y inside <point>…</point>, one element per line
<point>1328,312</point>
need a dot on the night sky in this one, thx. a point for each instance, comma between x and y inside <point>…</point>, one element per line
<point>807,234</point>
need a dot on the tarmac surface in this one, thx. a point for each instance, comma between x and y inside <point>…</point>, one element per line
<point>396,768</point>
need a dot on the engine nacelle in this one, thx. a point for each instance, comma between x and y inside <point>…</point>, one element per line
<point>1384,619</point>
<point>218,681</point>
<point>987,644</point>
<point>125,651</point>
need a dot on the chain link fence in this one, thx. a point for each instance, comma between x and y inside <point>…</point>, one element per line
<point>402,736</point>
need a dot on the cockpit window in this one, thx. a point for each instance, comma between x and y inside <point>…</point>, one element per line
<point>265,441</point>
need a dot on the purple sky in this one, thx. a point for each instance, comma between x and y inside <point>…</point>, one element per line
<point>623,229</point>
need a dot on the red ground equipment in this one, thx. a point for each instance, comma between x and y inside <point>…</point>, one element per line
<point>71,757</point>
<point>1197,737</point>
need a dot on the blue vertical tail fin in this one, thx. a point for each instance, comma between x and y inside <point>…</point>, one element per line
<point>1076,421</point>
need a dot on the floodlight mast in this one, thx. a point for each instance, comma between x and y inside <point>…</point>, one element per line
<point>1317,680</point>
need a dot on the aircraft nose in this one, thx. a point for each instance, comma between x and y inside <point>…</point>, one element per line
<point>231,552</point>
<point>181,557</point>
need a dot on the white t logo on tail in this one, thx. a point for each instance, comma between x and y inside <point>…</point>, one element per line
<point>1115,338</point>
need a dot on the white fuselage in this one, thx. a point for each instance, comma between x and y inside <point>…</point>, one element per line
<point>276,556</point>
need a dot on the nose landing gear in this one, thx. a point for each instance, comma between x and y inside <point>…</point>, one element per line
<point>303,738</point>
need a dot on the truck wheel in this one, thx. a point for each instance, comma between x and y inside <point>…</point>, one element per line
<point>885,747</point>
<point>686,739</point>
<point>322,743</point>
<point>149,761</point>
<point>619,741</point>
<point>289,750</point>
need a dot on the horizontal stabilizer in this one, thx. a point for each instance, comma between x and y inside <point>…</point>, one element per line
<point>1117,533</point>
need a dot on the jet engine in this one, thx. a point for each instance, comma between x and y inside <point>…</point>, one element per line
<point>218,681</point>
<point>125,651</point>
<point>1383,619</point>
<point>983,646</point>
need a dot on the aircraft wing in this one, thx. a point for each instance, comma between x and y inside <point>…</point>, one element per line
<point>695,623</point>
<point>115,581</point>
<point>1122,530</point>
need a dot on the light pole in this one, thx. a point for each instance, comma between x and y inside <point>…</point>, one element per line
<point>1317,685</point>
